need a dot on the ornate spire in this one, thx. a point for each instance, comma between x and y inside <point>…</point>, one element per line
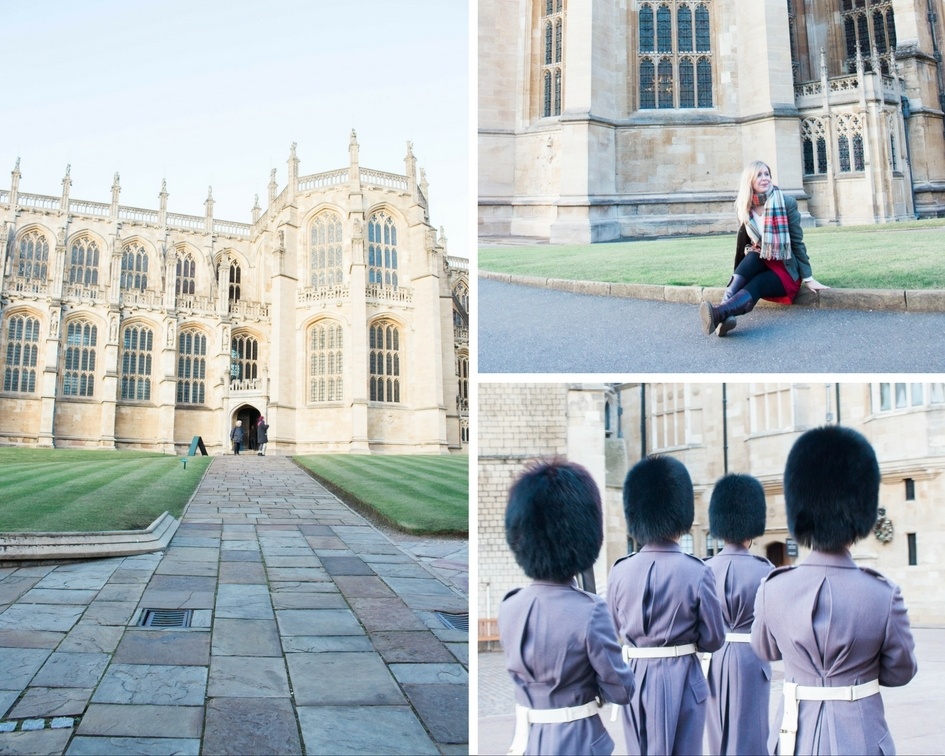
<point>353,147</point>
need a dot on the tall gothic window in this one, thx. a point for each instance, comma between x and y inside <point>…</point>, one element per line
<point>385,362</point>
<point>382,250</point>
<point>326,362</point>
<point>137,344</point>
<point>814,146</point>
<point>33,259</point>
<point>552,56</point>
<point>246,350</point>
<point>326,250</point>
<point>675,54</point>
<point>21,354</point>
<point>78,378</point>
<point>191,366</point>
<point>134,268</point>
<point>462,373</point>
<point>865,28</point>
<point>236,282</point>
<point>186,275</point>
<point>83,262</point>
<point>850,142</point>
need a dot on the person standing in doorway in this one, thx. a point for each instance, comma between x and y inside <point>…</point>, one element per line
<point>236,436</point>
<point>262,436</point>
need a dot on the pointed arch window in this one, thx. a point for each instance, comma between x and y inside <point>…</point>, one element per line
<point>191,366</point>
<point>245,349</point>
<point>186,278</point>
<point>462,375</point>
<point>326,362</point>
<point>134,268</point>
<point>552,57</point>
<point>235,290</point>
<point>867,28</point>
<point>137,346</point>
<point>382,250</point>
<point>32,260</point>
<point>674,59</point>
<point>78,377</point>
<point>83,262</point>
<point>21,354</point>
<point>326,249</point>
<point>385,350</point>
<point>814,146</point>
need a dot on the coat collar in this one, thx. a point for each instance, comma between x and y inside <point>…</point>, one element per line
<point>829,559</point>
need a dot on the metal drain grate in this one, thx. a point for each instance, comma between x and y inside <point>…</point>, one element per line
<point>161,618</point>
<point>455,620</point>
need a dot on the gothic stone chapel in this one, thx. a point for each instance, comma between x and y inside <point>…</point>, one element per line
<point>602,119</point>
<point>336,313</point>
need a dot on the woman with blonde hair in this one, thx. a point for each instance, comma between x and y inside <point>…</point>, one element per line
<point>770,256</point>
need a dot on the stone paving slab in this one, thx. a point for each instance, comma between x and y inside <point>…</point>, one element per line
<point>312,631</point>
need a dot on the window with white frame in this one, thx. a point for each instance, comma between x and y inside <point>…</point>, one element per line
<point>552,56</point>
<point>674,58</point>
<point>668,413</point>
<point>326,366</point>
<point>382,250</point>
<point>136,353</point>
<point>83,262</point>
<point>898,397</point>
<point>771,407</point>
<point>186,277</point>
<point>191,366</point>
<point>32,260</point>
<point>246,359</point>
<point>134,268</point>
<point>687,543</point>
<point>78,375</point>
<point>325,254</point>
<point>21,354</point>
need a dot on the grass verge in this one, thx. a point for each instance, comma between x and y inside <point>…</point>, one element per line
<point>66,490</point>
<point>892,256</point>
<point>417,494</point>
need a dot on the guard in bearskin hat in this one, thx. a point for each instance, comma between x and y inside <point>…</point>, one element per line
<point>666,610</point>
<point>559,641</point>
<point>841,629</point>
<point>739,682</point>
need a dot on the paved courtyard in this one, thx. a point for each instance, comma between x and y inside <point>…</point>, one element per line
<point>312,632</point>
<point>912,712</point>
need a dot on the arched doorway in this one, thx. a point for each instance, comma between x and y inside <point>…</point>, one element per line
<point>249,416</point>
<point>776,554</point>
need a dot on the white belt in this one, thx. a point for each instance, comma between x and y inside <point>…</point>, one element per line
<point>737,637</point>
<point>794,693</point>
<point>525,716</point>
<point>657,652</point>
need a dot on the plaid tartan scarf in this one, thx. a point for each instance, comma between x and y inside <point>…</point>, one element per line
<point>775,237</point>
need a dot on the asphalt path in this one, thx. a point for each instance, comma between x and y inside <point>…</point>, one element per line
<point>525,329</point>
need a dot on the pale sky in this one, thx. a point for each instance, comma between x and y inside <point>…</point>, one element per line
<point>214,92</point>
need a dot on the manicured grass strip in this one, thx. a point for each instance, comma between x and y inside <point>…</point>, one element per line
<point>892,256</point>
<point>65,490</point>
<point>417,494</point>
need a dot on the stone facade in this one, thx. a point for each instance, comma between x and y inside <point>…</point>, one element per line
<point>336,313</point>
<point>626,118</point>
<point>714,428</point>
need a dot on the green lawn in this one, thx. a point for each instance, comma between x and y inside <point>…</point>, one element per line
<point>65,490</point>
<point>418,494</point>
<point>906,255</point>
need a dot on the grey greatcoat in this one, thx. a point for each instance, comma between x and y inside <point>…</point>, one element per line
<point>739,682</point>
<point>561,650</point>
<point>835,624</point>
<point>662,596</point>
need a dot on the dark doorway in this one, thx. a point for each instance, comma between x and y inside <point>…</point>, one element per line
<point>775,553</point>
<point>250,416</point>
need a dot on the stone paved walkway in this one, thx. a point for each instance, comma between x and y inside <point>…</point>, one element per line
<point>312,632</point>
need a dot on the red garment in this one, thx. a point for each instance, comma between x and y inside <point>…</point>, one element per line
<point>790,285</point>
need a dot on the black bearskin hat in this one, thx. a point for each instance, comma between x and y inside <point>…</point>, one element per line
<point>658,499</point>
<point>737,508</point>
<point>831,488</point>
<point>553,522</point>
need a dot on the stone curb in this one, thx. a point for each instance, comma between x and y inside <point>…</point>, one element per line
<point>17,547</point>
<point>892,300</point>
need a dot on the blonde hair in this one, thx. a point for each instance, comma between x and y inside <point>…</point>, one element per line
<point>743,200</point>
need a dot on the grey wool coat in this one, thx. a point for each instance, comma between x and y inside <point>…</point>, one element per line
<point>835,624</point>
<point>739,682</point>
<point>561,650</point>
<point>662,596</point>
